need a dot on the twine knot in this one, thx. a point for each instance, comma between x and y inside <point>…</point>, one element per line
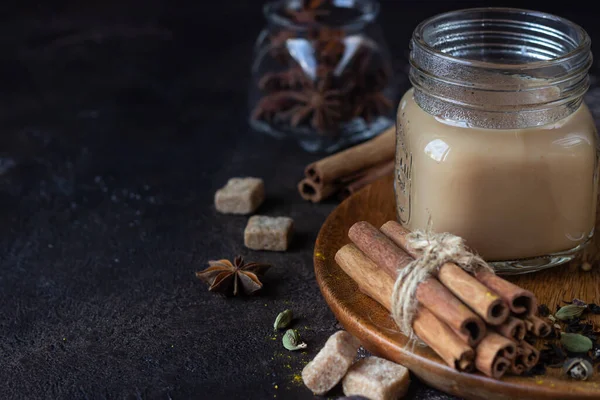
<point>436,249</point>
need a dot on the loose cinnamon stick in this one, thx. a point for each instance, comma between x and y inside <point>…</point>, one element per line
<point>369,176</point>
<point>487,304</point>
<point>375,283</point>
<point>491,353</point>
<point>513,328</point>
<point>375,151</point>
<point>539,327</point>
<point>430,293</point>
<point>521,302</point>
<point>345,186</point>
<point>316,193</point>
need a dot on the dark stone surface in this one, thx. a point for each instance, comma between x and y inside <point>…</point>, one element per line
<point>119,121</point>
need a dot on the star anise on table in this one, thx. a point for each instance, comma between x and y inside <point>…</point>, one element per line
<point>221,275</point>
<point>320,103</point>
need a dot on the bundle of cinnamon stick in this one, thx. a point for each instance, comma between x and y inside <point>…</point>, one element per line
<point>471,321</point>
<point>350,170</point>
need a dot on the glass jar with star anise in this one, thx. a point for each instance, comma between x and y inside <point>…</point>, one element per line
<point>322,74</point>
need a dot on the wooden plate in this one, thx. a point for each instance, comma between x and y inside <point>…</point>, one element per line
<point>372,324</point>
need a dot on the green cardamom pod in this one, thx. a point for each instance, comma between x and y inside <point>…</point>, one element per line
<point>570,311</point>
<point>283,319</point>
<point>575,342</point>
<point>578,368</point>
<point>291,340</point>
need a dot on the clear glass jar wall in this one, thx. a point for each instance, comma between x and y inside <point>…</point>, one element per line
<point>322,74</point>
<point>494,142</point>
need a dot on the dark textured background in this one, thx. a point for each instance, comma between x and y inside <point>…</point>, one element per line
<point>119,121</point>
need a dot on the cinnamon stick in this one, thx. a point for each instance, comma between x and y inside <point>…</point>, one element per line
<point>370,278</point>
<point>346,186</point>
<point>521,302</point>
<point>485,302</point>
<point>517,367</point>
<point>430,293</point>
<point>315,193</point>
<point>375,283</point>
<point>528,355</point>
<point>500,367</point>
<point>375,151</point>
<point>539,327</point>
<point>367,177</point>
<point>513,328</point>
<point>446,344</point>
<point>494,354</point>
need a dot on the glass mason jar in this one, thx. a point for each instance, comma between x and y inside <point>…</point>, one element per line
<point>322,74</point>
<point>494,141</point>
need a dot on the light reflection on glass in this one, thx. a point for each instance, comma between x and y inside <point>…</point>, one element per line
<point>302,51</point>
<point>437,149</point>
<point>571,140</point>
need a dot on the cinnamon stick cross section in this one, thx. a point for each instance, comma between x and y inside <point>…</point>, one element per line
<point>539,327</point>
<point>522,302</point>
<point>513,328</point>
<point>494,355</point>
<point>350,170</point>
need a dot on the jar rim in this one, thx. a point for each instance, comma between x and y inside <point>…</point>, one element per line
<point>369,10</point>
<point>583,44</point>
<point>499,67</point>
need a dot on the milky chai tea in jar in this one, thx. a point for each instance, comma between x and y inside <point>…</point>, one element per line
<point>494,141</point>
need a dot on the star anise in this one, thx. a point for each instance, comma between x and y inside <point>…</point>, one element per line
<point>329,44</point>
<point>280,38</point>
<point>372,105</point>
<point>314,4</point>
<point>221,275</point>
<point>277,45</point>
<point>294,78</point>
<point>272,105</point>
<point>369,72</point>
<point>309,11</point>
<point>320,103</point>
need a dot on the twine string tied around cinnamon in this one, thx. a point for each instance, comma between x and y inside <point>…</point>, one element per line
<point>436,249</point>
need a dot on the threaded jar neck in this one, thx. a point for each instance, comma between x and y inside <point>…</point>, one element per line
<point>499,68</point>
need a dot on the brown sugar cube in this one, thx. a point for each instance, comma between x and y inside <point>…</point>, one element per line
<point>240,196</point>
<point>376,379</point>
<point>268,233</point>
<point>331,363</point>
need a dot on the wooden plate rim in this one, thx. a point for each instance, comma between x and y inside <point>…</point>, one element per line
<point>369,334</point>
